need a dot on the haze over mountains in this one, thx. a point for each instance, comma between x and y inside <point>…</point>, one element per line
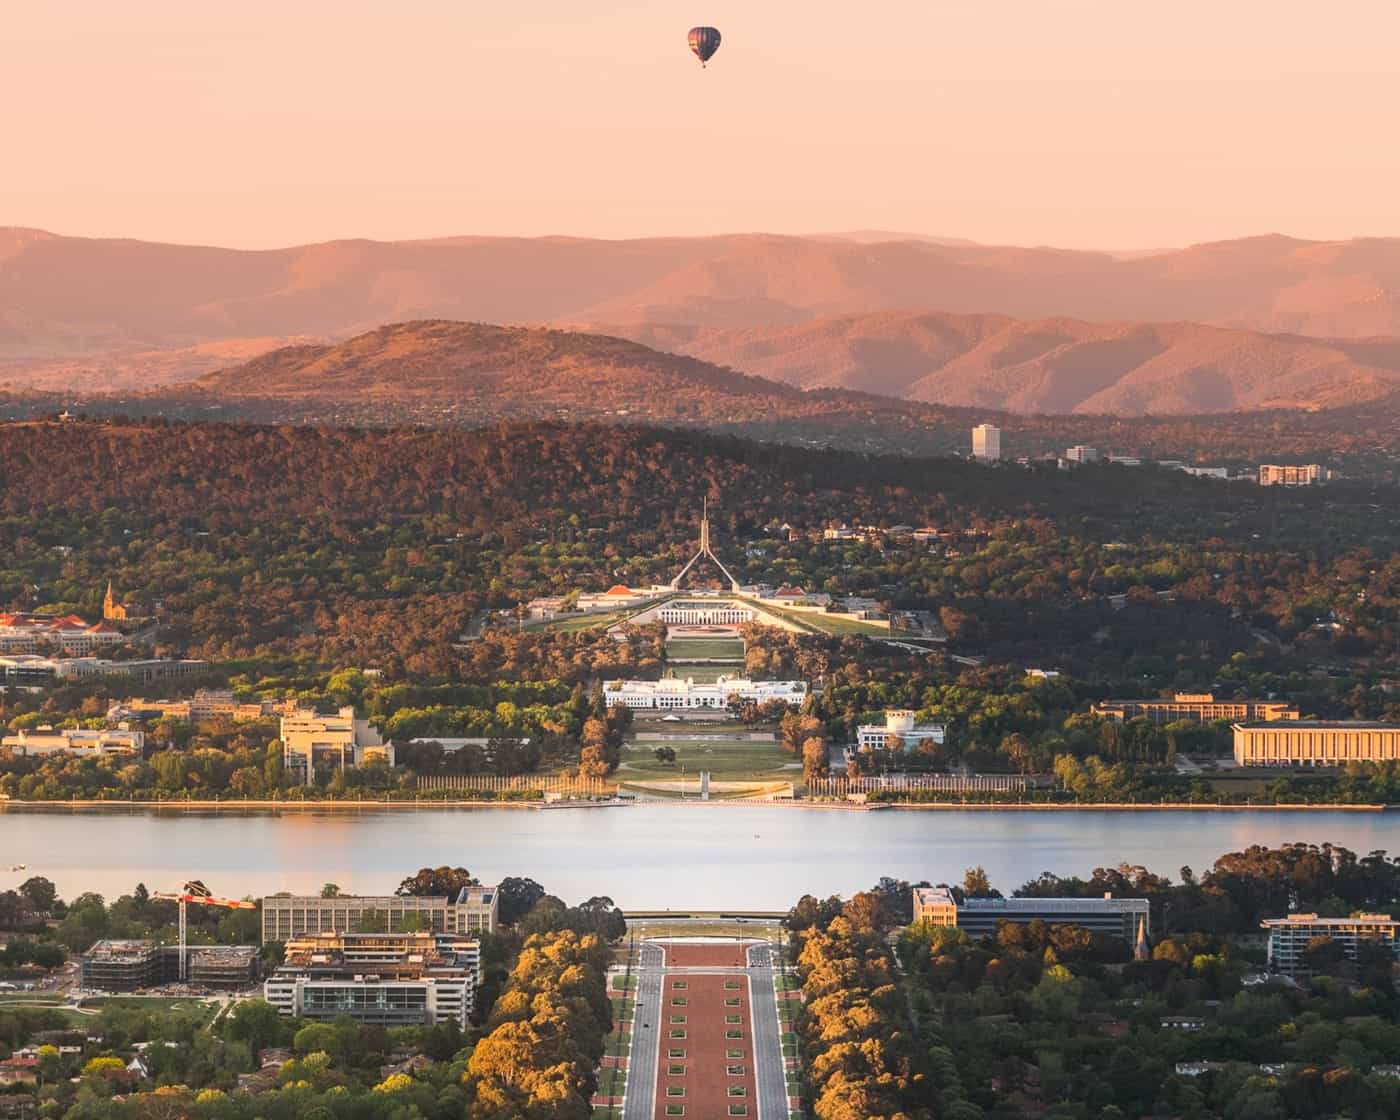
<point>932,319</point>
<point>1051,365</point>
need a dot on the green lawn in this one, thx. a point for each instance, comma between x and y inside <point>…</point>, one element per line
<point>700,649</point>
<point>725,759</point>
<point>758,930</point>
<point>48,1001</point>
<point>580,622</point>
<point>830,624</point>
<point>191,1004</point>
<point>700,674</point>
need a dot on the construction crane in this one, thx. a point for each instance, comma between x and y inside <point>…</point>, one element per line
<point>196,892</point>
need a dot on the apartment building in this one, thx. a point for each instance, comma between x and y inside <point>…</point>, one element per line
<point>1289,936</point>
<point>986,443</point>
<point>285,917</point>
<point>391,980</point>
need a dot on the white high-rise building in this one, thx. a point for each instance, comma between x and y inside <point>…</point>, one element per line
<point>986,443</point>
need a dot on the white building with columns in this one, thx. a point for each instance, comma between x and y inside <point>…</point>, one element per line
<point>677,695</point>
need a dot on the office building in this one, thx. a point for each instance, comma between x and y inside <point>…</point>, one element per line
<point>986,443</point>
<point>1315,743</point>
<point>1289,937</point>
<point>148,669</point>
<point>76,741</point>
<point>676,695</point>
<point>1082,454</point>
<point>286,917</point>
<point>28,671</point>
<point>1307,475</point>
<point>1198,707</point>
<point>1126,918</point>
<point>390,980</point>
<point>311,741</point>
<point>899,729</point>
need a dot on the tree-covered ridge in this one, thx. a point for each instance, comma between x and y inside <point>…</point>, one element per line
<point>343,545</point>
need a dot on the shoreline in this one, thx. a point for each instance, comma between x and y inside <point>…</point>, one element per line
<point>262,806</point>
<point>253,806</point>
<point>1129,806</point>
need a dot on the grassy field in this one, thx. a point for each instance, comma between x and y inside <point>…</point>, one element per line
<point>751,929</point>
<point>679,649</point>
<point>46,1001</point>
<point>700,674</point>
<point>726,760</point>
<point>580,622</point>
<point>830,624</point>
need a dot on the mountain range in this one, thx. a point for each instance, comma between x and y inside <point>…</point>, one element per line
<point>1258,322</point>
<point>1050,365</point>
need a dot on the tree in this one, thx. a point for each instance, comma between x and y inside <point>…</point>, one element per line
<point>515,898</point>
<point>256,1022</point>
<point>40,893</point>
<point>592,763</point>
<point>816,760</point>
<point>1324,954</point>
<point>96,1067</point>
<point>316,1037</point>
<point>1017,749</point>
<point>977,885</point>
<point>437,882</point>
<point>330,890</point>
<point>665,755</point>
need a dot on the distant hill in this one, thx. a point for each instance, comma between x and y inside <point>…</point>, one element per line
<point>1052,365</point>
<point>67,295</point>
<point>1022,328</point>
<point>494,371</point>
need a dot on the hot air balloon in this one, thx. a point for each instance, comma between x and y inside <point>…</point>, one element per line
<point>704,41</point>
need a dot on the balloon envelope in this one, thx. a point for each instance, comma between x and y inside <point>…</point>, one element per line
<point>704,41</point>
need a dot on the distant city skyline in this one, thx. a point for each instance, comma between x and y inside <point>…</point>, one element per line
<point>1074,123</point>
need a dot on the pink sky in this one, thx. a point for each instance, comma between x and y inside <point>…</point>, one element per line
<point>1082,123</point>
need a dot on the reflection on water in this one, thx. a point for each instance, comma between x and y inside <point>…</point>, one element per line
<point>658,856</point>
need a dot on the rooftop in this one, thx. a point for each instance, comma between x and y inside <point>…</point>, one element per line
<point>1055,905</point>
<point>1320,725</point>
<point>1313,919</point>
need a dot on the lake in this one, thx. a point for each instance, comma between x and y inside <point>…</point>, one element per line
<point>645,856</point>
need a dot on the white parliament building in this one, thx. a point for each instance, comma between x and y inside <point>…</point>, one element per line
<point>677,695</point>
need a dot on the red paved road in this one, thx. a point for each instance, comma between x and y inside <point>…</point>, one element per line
<point>705,1080</point>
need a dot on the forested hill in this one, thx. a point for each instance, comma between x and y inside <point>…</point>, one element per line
<point>337,546</point>
<point>494,371</point>
<point>516,482</point>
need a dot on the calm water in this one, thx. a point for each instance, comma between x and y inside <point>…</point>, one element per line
<point>754,857</point>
